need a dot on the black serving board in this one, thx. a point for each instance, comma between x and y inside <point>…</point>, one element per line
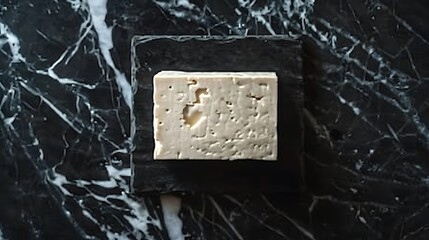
<point>152,54</point>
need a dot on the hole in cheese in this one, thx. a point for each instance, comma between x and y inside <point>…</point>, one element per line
<point>191,118</point>
<point>191,115</point>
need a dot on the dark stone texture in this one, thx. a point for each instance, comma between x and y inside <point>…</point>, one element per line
<point>66,126</point>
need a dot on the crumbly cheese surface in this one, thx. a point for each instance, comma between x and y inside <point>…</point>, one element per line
<point>215,115</point>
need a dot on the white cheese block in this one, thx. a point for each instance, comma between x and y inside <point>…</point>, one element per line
<point>215,115</point>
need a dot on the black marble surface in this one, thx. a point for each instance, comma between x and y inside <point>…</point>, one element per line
<point>66,113</point>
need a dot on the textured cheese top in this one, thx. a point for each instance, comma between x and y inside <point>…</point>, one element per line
<point>215,115</point>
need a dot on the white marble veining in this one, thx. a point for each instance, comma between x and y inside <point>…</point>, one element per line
<point>43,93</point>
<point>170,208</point>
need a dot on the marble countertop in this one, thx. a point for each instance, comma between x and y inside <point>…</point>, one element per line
<point>67,111</point>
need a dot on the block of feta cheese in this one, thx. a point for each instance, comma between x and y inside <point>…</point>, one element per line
<point>215,115</point>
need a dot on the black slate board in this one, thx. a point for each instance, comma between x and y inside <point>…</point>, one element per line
<point>151,54</point>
